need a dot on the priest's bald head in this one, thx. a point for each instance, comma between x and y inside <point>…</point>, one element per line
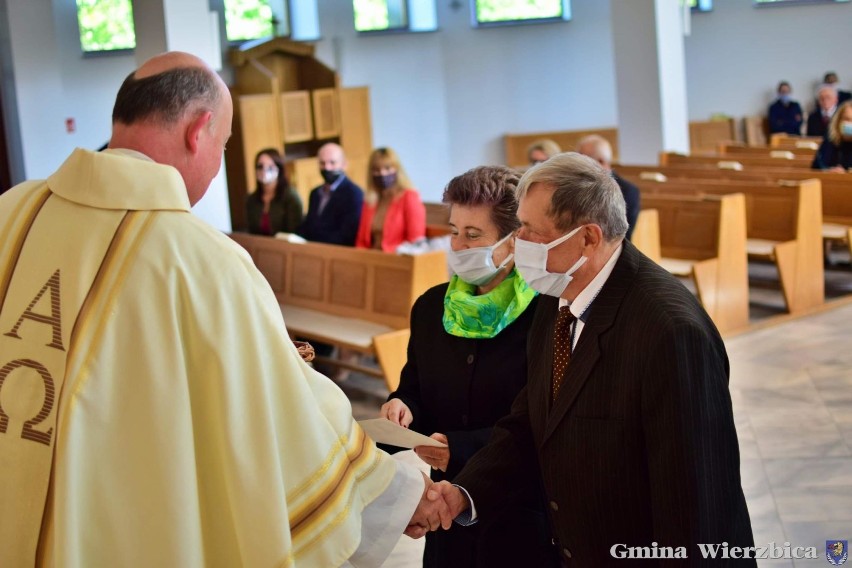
<point>176,110</point>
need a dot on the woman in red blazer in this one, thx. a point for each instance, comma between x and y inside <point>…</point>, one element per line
<point>392,212</point>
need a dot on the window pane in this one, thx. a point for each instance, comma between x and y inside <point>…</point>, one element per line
<point>701,5</point>
<point>248,19</point>
<point>488,11</point>
<point>106,25</point>
<point>377,15</point>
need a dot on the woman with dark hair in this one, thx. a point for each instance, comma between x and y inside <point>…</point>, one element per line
<point>467,362</point>
<point>274,207</point>
<point>835,152</point>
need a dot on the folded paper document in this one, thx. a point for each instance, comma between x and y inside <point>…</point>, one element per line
<point>384,431</point>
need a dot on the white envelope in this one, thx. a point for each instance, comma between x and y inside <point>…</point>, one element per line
<point>384,431</point>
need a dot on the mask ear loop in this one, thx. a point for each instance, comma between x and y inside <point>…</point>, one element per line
<point>509,258</point>
<point>563,238</point>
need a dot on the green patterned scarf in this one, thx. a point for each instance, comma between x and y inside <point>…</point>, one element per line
<point>484,316</point>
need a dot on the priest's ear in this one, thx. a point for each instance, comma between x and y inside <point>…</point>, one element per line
<point>197,128</point>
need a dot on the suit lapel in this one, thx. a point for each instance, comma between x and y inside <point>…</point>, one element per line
<point>601,317</point>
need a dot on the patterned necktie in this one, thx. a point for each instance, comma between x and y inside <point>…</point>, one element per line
<point>561,348</point>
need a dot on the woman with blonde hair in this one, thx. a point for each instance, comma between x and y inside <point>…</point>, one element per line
<point>835,152</point>
<point>541,150</point>
<point>392,213</point>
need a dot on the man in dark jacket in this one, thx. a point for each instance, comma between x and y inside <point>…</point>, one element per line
<point>785,114</point>
<point>334,208</point>
<point>626,419</point>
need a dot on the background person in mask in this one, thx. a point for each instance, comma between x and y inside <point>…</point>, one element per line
<point>334,208</point>
<point>466,363</point>
<point>785,114</point>
<point>274,207</point>
<point>835,152</point>
<point>393,212</point>
<point>541,150</point>
<point>626,418</point>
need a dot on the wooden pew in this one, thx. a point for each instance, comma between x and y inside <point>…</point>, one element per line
<point>357,299</point>
<point>515,145</point>
<point>781,140</point>
<point>783,225</point>
<point>836,190</point>
<point>705,135</point>
<point>673,159</point>
<point>728,148</point>
<point>704,238</point>
<point>646,234</point>
<point>437,219</point>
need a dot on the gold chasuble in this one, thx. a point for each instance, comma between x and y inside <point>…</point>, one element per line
<point>153,411</point>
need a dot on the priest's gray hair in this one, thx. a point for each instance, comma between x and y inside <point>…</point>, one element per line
<point>166,97</point>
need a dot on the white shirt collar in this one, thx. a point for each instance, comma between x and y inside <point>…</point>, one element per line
<point>590,292</point>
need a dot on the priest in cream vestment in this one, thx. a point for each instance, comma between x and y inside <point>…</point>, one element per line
<point>153,411</point>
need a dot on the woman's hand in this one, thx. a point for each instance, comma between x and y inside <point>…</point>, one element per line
<point>437,458</point>
<point>397,412</point>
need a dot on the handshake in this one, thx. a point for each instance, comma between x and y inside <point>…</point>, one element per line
<point>440,504</point>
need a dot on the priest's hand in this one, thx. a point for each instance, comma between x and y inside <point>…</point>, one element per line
<point>397,412</point>
<point>431,513</point>
<point>438,458</point>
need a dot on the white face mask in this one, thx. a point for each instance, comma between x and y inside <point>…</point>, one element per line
<point>476,265</point>
<point>268,175</point>
<point>531,262</point>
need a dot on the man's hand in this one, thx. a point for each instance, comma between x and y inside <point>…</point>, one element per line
<point>431,513</point>
<point>397,412</point>
<point>438,458</point>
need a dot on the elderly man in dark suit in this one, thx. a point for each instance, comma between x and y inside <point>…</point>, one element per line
<point>334,208</point>
<point>626,419</point>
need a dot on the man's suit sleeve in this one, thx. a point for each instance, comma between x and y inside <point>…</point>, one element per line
<point>508,462</point>
<point>304,227</point>
<point>691,442</point>
<point>351,217</point>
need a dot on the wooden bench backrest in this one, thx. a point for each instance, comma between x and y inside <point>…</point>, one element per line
<point>836,188</point>
<point>516,144</point>
<point>705,135</point>
<point>709,230</point>
<point>772,210</point>
<point>359,283</point>
<point>728,148</point>
<point>691,226</point>
<point>672,159</point>
<point>785,141</point>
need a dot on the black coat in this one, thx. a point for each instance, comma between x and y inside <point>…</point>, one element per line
<point>831,155</point>
<point>460,387</point>
<point>632,200</point>
<point>285,214</point>
<point>640,446</point>
<point>816,125</point>
<point>338,223</point>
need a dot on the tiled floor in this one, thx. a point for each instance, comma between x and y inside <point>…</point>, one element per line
<point>791,386</point>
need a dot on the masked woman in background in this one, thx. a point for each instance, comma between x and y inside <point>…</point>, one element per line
<point>274,207</point>
<point>393,212</point>
<point>467,360</point>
